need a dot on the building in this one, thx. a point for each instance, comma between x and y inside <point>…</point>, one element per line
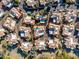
<point>25,32</point>
<point>16,12</point>
<point>41,19</point>
<point>70,42</point>
<point>5,2</point>
<point>9,5</point>
<point>40,44</point>
<point>2,31</point>
<point>26,46</point>
<point>68,30</point>
<point>9,23</point>
<point>53,43</point>
<point>43,2</point>
<point>70,1</point>
<point>70,16</point>
<point>11,38</point>
<point>31,3</point>
<point>38,31</point>
<point>1,5</point>
<point>56,18</point>
<point>28,20</point>
<point>53,29</point>
<point>77,26</point>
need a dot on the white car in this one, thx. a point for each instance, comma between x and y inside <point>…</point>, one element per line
<point>1,13</point>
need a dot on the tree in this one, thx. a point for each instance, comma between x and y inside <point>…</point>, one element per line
<point>16,2</point>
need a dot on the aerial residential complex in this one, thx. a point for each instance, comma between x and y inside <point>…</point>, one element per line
<point>39,26</point>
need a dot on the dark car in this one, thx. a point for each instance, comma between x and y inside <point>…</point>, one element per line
<point>77,4</point>
<point>76,33</point>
